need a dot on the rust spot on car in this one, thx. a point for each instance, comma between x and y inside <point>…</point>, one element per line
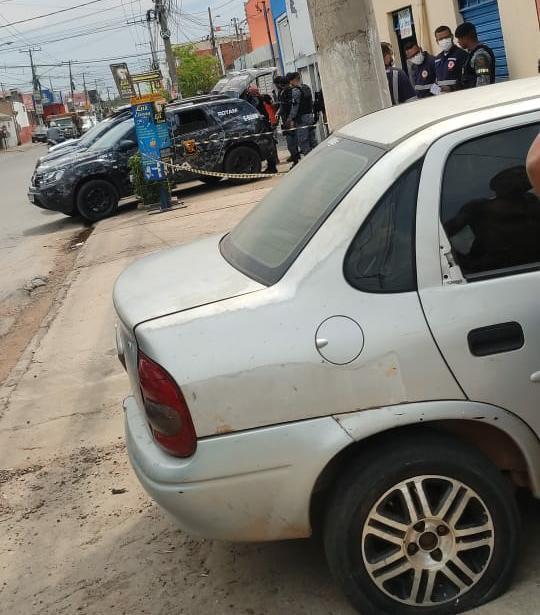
<point>391,371</point>
<point>224,429</point>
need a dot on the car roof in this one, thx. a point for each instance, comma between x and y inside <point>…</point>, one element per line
<point>197,100</point>
<point>390,126</point>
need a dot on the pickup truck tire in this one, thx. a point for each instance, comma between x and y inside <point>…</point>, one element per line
<point>422,524</point>
<point>97,199</point>
<point>242,159</point>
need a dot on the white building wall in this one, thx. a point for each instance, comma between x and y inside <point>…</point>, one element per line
<point>303,43</point>
<point>301,33</point>
<point>21,115</point>
<point>283,31</point>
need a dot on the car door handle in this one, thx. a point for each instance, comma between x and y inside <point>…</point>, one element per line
<point>495,339</point>
<point>535,377</point>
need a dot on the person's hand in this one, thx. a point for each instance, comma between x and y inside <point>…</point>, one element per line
<point>533,165</point>
<point>291,124</point>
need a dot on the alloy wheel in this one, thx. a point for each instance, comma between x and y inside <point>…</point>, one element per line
<point>427,541</point>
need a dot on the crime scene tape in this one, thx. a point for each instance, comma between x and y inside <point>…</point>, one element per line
<point>276,131</point>
<point>185,166</point>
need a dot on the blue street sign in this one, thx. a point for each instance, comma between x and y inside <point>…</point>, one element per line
<point>153,136</point>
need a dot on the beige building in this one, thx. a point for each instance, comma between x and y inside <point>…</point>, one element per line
<point>510,27</point>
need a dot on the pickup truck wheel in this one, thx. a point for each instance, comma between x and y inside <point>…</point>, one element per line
<point>243,159</point>
<point>424,525</point>
<point>97,199</point>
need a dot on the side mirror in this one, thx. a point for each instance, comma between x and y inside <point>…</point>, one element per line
<point>126,145</point>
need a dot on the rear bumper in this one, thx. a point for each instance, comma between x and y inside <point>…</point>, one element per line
<point>248,486</point>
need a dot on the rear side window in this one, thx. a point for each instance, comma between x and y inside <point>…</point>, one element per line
<point>381,258</point>
<point>187,121</point>
<point>269,239</point>
<point>488,209</point>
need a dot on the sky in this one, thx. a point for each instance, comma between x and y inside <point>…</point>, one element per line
<point>98,31</point>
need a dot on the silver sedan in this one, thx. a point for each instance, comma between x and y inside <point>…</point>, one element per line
<point>363,349</point>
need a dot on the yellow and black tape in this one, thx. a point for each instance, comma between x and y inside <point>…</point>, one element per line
<point>186,167</point>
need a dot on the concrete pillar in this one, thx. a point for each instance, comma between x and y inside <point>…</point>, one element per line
<point>350,60</point>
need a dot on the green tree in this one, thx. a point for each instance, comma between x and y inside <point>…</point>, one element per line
<point>197,74</point>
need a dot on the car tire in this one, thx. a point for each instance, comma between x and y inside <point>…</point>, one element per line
<point>242,159</point>
<point>97,199</point>
<point>389,563</point>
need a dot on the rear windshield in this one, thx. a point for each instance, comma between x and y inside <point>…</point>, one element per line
<point>268,240</point>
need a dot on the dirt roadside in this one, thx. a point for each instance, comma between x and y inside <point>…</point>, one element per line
<point>23,312</point>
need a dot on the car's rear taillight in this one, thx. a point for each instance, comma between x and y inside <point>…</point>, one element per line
<point>166,409</point>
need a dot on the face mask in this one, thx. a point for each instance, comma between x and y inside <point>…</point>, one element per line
<point>418,59</point>
<point>446,44</point>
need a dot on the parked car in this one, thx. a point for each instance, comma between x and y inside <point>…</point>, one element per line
<point>68,123</point>
<point>88,139</point>
<point>89,182</point>
<point>39,134</point>
<point>362,349</point>
<point>217,133</point>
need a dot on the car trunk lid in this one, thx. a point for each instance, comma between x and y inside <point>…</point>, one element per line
<point>178,279</point>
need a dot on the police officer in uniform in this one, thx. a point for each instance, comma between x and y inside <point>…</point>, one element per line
<point>285,103</point>
<point>480,66</point>
<point>449,63</point>
<point>401,89</point>
<point>302,116</point>
<point>422,70</point>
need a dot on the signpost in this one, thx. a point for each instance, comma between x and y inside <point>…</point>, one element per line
<point>123,80</point>
<point>155,145</point>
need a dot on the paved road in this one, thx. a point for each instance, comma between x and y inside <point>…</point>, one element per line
<point>33,243</point>
<point>29,237</point>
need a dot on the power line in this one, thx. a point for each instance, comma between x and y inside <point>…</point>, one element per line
<point>69,8</point>
<point>71,19</point>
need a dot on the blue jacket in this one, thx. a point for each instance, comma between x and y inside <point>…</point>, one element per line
<point>449,68</point>
<point>401,89</point>
<point>424,76</point>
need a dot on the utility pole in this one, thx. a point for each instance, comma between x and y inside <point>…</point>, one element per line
<point>109,93</point>
<point>239,41</point>
<point>155,62</point>
<point>212,32</point>
<point>350,59</point>
<point>71,86</point>
<point>85,90</point>
<point>161,14</point>
<point>216,50</point>
<point>36,85</point>
<point>265,13</point>
<point>99,105</point>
